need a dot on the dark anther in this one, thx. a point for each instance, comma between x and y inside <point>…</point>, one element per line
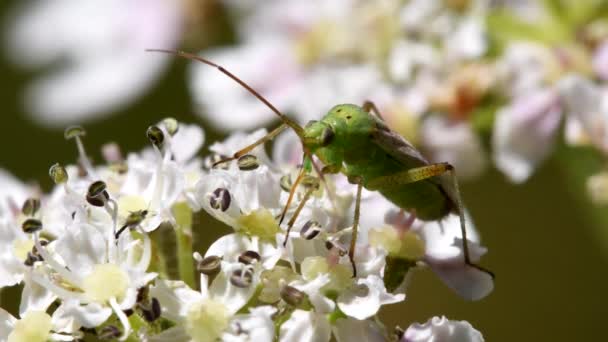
<point>97,194</point>
<point>310,230</point>
<point>361,290</point>
<point>248,162</point>
<point>30,206</point>
<point>156,136</point>
<point>142,294</point>
<point>242,278</point>
<point>348,117</point>
<point>292,296</point>
<point>128,312</point>
<point>220,199</point>
<point>96,188</point>
<point>249,257</point>
<point>31,225</point>
<point>210,265</point>
<point>109,332</point>
<point>152,313</point>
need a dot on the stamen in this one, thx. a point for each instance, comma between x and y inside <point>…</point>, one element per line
<point>310,230</point>
<point>58,174</point>
<point>124,320</point>
<point>220,199</point>
<point>171,125</point>
<point>242,278</point>
<point>76,132</point>
<point>109,332</point>
<point>64,272</point>
<point>249,257</point>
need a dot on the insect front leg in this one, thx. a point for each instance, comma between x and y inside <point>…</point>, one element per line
<point>249,148</point>
<point>425,172</point>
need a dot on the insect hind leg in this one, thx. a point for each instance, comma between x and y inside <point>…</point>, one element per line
<point>425,172</point>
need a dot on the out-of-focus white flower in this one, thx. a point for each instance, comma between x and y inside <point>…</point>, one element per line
<point>524,133</point>
<point>586,105</point>
<point>102,49</point>
<point>455,143</point>
<point>34,326</point>
<point>440,329</point>
<point>349,329</point>
<point>600,61</point>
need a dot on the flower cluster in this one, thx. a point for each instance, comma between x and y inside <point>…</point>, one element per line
<point>88,262</point>
<point>465,81</point>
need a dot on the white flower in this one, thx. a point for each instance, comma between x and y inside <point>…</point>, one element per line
<point>586,105</point>
<point>440,329</point>
<point>348,329</point>
<point>211,313</point>
<point>524,133</point>
<point>98,52</point>
<point>34,326</point>
<point>305,326</point>
<point>365,297</point>
<point>103,275</point>
<point>455,143</point>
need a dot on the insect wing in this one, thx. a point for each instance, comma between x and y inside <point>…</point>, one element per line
<point>396,146</point>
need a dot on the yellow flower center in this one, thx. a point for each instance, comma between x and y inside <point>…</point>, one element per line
<point>259,223</point>
<point>206,320</point>
<point>22,247</point>
<point>105,282</point>
<point>33,327</point>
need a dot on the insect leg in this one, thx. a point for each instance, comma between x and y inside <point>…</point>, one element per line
<point>370,107</point>
<point>291,193</point>
<point>292,220</point>
<point>353,240</point>
<point>425,172</point>
<point>258,142</point>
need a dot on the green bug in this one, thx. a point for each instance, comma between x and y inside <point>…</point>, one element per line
<point>355,141</point>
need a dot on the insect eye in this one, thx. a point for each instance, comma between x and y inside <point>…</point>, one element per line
<point>327,136</point>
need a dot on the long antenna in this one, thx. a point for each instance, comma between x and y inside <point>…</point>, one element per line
<point>299,131</point>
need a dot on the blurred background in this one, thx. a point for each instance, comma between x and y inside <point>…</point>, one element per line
<point>547,241</point>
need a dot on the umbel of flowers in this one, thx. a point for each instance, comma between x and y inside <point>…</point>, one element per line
<point>88,265</point>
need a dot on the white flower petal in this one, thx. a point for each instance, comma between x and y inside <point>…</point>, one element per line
<point>255,326</point>
<point>186,143</point>
<point>524,133</point>
<point>365,298</point>
<point>454,143</point>
<point>349,329</point>
<point>440,329</point>
<point>7,321</point>
<point>89,315</point>
<point>35,297</point>
<point>305,326</point>
<point>81,248</point>
<point>175,298</point>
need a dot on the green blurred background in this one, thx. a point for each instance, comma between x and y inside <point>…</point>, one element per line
<point>548,245</point>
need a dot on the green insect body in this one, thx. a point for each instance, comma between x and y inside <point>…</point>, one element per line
<point>346,139</point>
<point>355,141</point>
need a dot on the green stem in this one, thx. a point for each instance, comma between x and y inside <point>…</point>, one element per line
<point>183,233</point>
